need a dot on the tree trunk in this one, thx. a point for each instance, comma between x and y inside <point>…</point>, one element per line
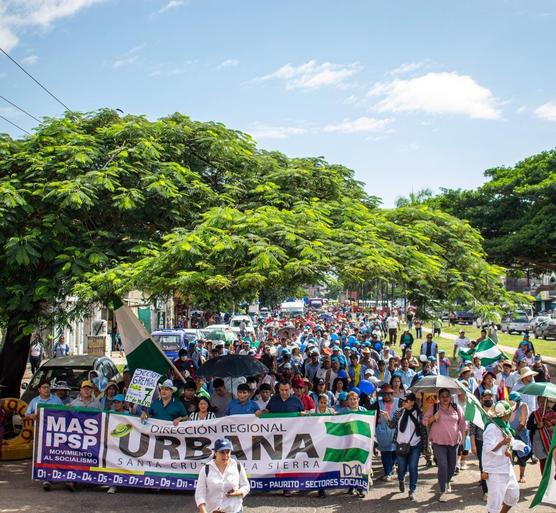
<point>13,360</point>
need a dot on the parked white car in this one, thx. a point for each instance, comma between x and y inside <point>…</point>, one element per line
<point>236,324</point>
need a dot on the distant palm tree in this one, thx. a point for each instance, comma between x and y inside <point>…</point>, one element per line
<point>415,198</point>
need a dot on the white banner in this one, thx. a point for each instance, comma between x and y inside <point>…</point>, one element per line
<point>142,387</point>
<point>291,451</point>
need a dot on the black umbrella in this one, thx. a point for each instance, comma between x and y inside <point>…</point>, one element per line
<point>232,366</point>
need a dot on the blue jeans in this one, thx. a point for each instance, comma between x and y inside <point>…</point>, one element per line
<point>388,459</point>
<point>409,463</point>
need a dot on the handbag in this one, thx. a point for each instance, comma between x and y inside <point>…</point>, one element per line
<point>404,448</point>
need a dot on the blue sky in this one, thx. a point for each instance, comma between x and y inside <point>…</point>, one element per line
<point>408,94</point>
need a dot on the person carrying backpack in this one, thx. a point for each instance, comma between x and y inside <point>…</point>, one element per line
<point>447,425</point>
<point>222,483</point>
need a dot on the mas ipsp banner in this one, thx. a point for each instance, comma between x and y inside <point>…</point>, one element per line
<point>278,452</point>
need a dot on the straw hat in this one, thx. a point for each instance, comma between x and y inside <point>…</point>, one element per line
<point>525,372</point>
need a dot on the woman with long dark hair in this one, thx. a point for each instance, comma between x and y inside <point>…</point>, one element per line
<point>409,437</point>
<point>203,410</point>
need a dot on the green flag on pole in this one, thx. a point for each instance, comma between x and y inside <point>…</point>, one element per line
<point>140,350</point>
<point>473,411</point>
<point>546,493</point>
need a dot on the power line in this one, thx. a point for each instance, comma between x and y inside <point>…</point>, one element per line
<point>34,79</point>
<point>12,123</point>
<point>19,108</point>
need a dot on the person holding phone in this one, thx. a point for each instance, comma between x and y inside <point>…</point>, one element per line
<point>222,482</point>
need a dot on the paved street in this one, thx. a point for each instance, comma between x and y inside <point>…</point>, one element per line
<point>19,493</point>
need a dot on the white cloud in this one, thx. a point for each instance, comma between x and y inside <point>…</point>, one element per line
<point>30,60</point>
<point>18,15</point>
<point>172,4</point>
<point>312,75</point>
<point>263,131</point>
<point>177,70</point>
<point>362,124</point>
<point>521,109</point>
<point>129,57</point>
<point>437,93</point>
<point>407,67</point>
<point>228,63</point>
<point>547,111</point>
<point>126,61</point>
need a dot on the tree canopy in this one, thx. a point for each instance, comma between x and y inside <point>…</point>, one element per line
<point>515,211</point>
<point>96,204</point>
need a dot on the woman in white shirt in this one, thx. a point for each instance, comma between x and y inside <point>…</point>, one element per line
<point>222,483</point>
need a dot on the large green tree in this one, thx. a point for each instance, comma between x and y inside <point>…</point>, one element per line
<point>515,211</point>
<point>96,204</point>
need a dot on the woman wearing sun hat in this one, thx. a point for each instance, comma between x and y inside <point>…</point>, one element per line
<point>503,489</point>
<point>222,482</point>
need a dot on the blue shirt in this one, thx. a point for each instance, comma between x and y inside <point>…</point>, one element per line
<point>33,405</point>
<point>171,411</point>
<point>291,405</point>
<point>406,376</point>
<point>237,408</point>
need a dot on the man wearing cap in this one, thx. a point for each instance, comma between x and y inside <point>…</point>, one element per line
<point>543,374</point>
<point>320,388</point>
<point>167,407</point>
<point>86,399</point>
<point>118,404</point>
<point>429,347</point>
<point>299,392</point>
<point>503,489</point>
<point>462,342</point>
<point>62,390</point>
<point>443,363</point>
<point>526,376</point>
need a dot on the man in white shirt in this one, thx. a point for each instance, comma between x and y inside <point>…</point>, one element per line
<point>503,489</point>
<point>462,342</point>
<point>393,323</point>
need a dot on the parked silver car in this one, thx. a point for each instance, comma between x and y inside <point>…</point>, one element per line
<point>546,329</point>
<point>515,325</point>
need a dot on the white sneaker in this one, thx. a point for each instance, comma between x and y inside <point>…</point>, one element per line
<point>449,487</point>
<point>443,497</point>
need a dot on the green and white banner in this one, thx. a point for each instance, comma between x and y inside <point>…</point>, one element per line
<point>294,452</point>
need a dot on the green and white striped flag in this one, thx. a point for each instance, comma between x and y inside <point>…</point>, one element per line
<point>345,432</point>
<point>466,354</point>
<point>140,350</point>
<point>546,493</point>
<point>473,411</point>
<point>488,352</point>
